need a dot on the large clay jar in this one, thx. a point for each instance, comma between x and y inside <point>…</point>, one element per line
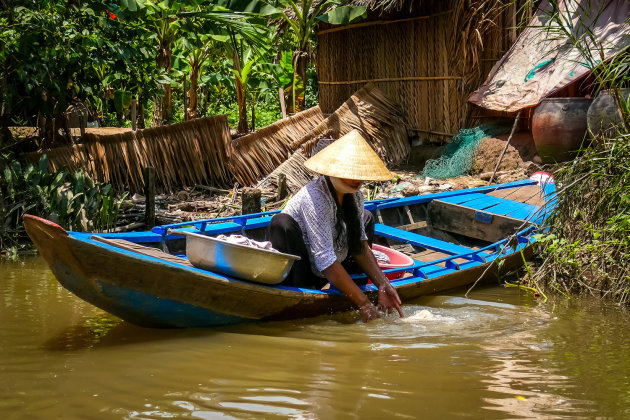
<point>558,127</point>
<point>603,114</point>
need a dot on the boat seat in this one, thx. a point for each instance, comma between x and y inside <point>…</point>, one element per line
<point>141,249</point>
<point>424,241</point>
<point>494,205</point>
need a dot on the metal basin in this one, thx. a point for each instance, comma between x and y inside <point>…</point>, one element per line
<point>239,261</point>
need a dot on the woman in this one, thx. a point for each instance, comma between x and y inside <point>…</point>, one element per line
<point>326,225</point>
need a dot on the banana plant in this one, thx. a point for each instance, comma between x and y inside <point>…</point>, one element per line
<point>302,18</point>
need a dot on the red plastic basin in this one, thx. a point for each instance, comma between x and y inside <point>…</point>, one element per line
<point>396,260</point>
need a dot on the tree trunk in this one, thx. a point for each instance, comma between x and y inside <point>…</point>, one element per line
<point>192,94</point>
<point>253,117</point>
<point>300,61</point>
<point>141,124</point>
<point>240,97</point>
<point>162,113</point>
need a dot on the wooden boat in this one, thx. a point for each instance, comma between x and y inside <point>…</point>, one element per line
<point>453,237</point>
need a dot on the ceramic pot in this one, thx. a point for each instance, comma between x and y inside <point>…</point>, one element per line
<point>558,127</point>
<point>603,116</point>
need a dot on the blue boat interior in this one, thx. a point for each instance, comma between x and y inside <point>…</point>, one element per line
<point>442,233</point>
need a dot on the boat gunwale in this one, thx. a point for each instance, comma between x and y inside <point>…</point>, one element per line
<point>524,238</point>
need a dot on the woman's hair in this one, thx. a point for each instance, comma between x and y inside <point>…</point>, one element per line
<point>348,212</point>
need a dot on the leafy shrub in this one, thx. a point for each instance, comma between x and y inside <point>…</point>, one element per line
<point>72,200</point>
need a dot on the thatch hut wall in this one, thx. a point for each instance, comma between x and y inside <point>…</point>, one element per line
<point>426,55</point>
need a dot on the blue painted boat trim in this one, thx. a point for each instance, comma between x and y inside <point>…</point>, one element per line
<point>421,240</point>
<point>139,307</point>
<point>428,197</point>
<point>420,270</point>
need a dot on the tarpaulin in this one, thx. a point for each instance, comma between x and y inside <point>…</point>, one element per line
<point>543,59</point>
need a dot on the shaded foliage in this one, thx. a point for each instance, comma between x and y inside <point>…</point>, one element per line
<point>72,200</point>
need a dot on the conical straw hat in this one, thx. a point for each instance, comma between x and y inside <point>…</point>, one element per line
<point>350,157</point>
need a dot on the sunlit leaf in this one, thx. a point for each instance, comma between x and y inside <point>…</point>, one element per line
<point>344,15</point>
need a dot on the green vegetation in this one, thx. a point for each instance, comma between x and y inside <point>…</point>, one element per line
<point>588,247</point>
<point>71,199</point>
<point>176,58</point>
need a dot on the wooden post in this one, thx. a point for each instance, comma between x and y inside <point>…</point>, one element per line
<point>283,190</point>
<point>283,106</point>
<point>149,193</point>
<point>250,198</point>
<point>133,114</point>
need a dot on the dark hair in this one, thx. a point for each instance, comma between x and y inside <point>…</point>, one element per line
<point>348,214</point>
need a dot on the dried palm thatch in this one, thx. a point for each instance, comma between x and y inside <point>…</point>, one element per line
<point>297,174</point>
<point>385,5</point>
<point>427,55</point>
<point>257,154</point>
<point>192,152</point>
<point>369,110</point>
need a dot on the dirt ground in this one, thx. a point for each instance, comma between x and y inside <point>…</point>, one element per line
<point>520,153</point>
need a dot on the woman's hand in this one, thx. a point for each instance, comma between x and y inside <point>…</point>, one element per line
<point>388,299</point>
<point>369,312</point>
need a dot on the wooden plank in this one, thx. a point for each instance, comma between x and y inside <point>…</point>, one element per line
<point>476,201</point>
<point>530,194</point>
<point>521,211</point>
<point>413,226</point>
<point>462,220</point>
<point>141,249</point>
<point>495,205</point>
<point>421,240</point>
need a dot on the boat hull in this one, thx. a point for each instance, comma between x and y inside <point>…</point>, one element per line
<point>151,292</point>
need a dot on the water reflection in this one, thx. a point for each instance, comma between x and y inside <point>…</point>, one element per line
<point>498,354</point>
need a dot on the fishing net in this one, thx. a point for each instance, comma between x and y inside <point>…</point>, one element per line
<point>458,156</point>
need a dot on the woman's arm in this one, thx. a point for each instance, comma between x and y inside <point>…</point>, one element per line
<point>339,277</point>
<point>388,298</point>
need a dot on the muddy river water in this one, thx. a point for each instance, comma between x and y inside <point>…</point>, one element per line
<point>497,353</point>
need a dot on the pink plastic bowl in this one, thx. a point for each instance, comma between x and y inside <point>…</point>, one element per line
<point>396,260</point>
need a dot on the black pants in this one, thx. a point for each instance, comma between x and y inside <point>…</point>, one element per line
<point>286,236</point>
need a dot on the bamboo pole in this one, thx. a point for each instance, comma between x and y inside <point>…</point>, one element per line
<point>507,143</point>
<point>393,79</point>
<point>382,22</point>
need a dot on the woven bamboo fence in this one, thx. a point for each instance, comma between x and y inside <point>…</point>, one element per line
<point>427,56</point>
<point>255,155</point>
<point>188,153</point>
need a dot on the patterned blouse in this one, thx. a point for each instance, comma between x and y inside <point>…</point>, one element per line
<point>315,210</point>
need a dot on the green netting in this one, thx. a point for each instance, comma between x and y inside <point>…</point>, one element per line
<point>458,156</point>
